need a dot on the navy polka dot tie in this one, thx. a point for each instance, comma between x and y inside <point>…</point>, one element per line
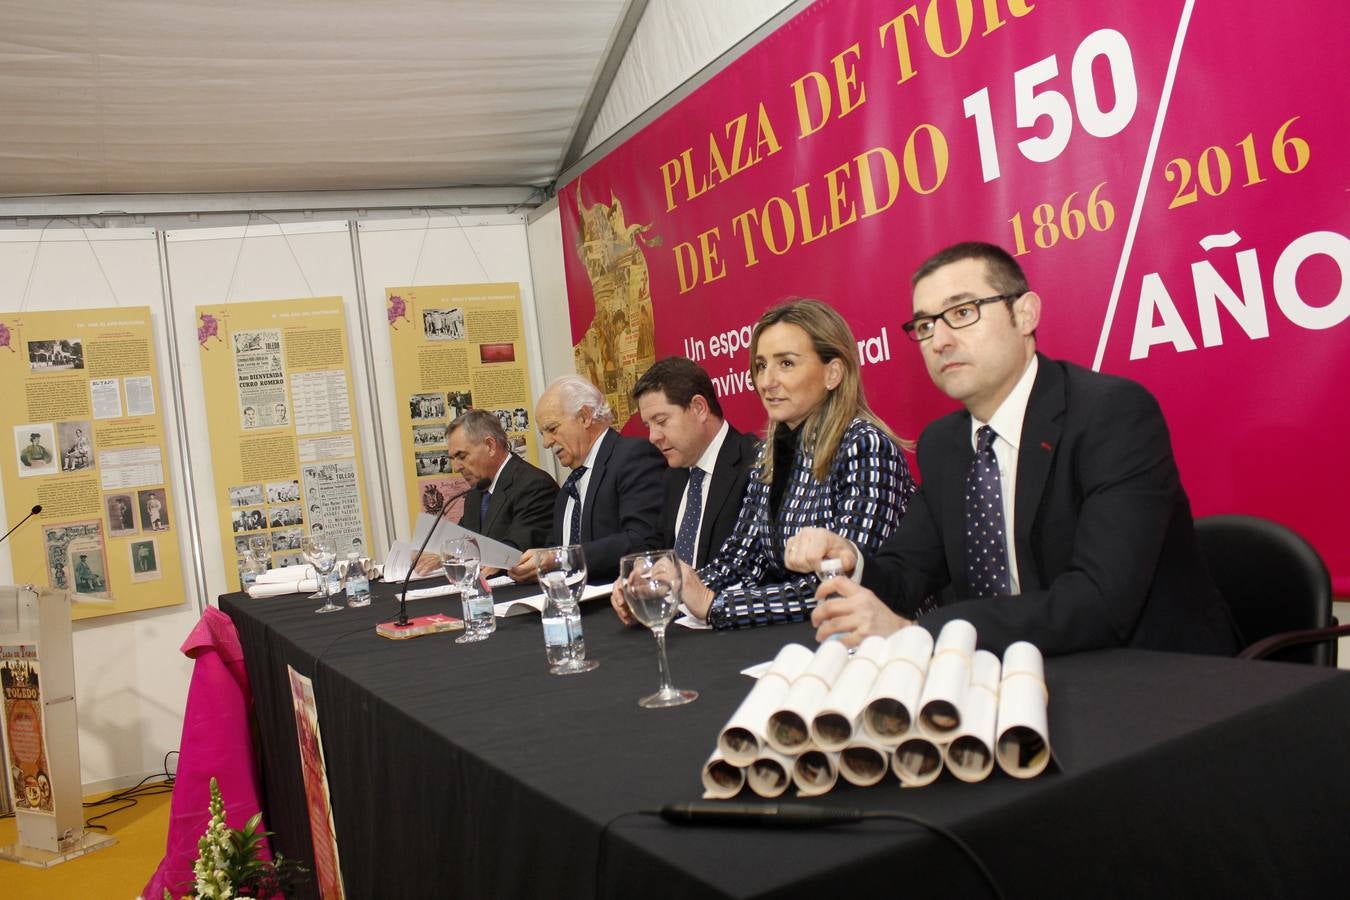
<point>687,538</point>
<point>986,543</point>
<point>570,489</point>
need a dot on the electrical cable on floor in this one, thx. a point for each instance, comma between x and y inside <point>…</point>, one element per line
<point>128,797</point>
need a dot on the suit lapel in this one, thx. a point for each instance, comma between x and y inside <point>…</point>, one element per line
<point>957,461</point>
<point>497,501</point>
<point>725,471</point>
<point>608,441</point>
<point>1041,430</point>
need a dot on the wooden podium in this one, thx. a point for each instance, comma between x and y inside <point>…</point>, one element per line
<point>41,731</point>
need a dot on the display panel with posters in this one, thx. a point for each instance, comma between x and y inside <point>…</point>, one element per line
<point>280,407</point>
<point>455,348</point>
<point>88,444</point>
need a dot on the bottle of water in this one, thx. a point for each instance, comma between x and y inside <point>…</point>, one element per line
<point>358,582</point>
<point>563,641</point>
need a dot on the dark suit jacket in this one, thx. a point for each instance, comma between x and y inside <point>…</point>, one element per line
<point>1106,548</point>
<point>520,510</point>
<point>622,503</point>
<point>730,473</point>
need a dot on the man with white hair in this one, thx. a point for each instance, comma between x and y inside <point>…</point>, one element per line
<point>610,502</point>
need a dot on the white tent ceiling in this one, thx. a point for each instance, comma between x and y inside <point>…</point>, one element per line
<point>189,96</point>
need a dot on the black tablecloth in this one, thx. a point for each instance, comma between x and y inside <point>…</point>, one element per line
<point>468,770</point>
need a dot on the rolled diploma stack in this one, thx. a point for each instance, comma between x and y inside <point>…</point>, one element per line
<point>945,687</point>
<point>894,700</point>
<point>970,755</point>
<point>721,780</point>
<point>1023,747</point>
<point>742,738</point>
<point>790,724</point>
<point>833,724</point>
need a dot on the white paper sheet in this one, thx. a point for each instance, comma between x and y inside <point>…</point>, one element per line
<point>815,772</point>
<point>742,738</point>
<point>833,725</point>
<point>888,715</point>
<point>789,726</point>
<point>864,762</point>
<point>945,686</point>
<point>970,755</point>
<point>721,780</point>
<point>1023,743</point>
<point>535,604</point>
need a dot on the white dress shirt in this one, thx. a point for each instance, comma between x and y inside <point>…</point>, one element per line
<point>707,462</point>
<point>1007,424</point>
<point>585,480</point>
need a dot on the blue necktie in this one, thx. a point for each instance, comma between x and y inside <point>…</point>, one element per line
<point>687,538</point>
<point>986,542</point>
<point>570,489</point>
<point>482,509</point>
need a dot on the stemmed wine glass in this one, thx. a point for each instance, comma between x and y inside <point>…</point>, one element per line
<point>651,588</point>
<point>562,575</point>
<point>461,559</point>
<point>322,555</point>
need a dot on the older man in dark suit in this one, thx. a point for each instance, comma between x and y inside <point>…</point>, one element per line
<point>1051,509</point>
<point>610,502</point>
<point>517,507</point>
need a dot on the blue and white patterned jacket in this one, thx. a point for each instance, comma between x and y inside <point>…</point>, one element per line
<point>862,499</point>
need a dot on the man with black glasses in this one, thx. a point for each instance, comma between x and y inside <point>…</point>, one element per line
<point>1051,509</point>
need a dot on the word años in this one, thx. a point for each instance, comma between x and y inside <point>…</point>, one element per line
<point>698,180</point>
<point>1214,172</point>
<point>1248,308</point>
<point>1072,222</point>
<point>781,224</point>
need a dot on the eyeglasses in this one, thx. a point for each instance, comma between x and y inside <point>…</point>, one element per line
<point>962,315</point>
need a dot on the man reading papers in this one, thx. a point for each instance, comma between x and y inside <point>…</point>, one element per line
<point>1051,510</point>
<point>517,506</point>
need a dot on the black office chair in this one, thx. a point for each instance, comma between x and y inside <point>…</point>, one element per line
<point>1276,585</point>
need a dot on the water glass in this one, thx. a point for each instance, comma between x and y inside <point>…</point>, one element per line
<point>651,587</point>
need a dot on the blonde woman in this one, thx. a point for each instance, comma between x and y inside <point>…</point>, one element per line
<point>826,458</point>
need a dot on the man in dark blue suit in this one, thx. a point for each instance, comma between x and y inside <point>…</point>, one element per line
<point>710,462</point>
<point>610,502</point>
<point>1051,509</point>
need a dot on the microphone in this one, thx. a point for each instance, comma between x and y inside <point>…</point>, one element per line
<point>767,815</point>
<point>481,484</point>
<point>37,508</point>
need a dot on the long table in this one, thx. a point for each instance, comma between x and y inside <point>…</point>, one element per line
<point>468,770</point>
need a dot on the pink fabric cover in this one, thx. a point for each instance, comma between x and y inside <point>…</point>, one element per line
<point>216,742</point>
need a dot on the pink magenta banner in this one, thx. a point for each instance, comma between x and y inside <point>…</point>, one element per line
<point>1172,174</point>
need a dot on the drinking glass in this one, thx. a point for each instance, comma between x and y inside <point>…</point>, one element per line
<point>321,552</point>
<point>562,575</point>
<point>461,559</point>
<point>651,588</point>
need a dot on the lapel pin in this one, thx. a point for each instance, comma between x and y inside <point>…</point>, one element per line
<point>1045,446</point>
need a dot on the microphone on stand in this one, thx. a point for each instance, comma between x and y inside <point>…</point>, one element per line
<point>481,484</point>
<point>37,508</point>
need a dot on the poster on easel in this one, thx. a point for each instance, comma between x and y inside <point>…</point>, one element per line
<point>87,444</point>
<point>456,347</point>
<point>280,407</point>
<point>25,732</point>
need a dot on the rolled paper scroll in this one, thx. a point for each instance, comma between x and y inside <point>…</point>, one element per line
<point>1023,745</point>
<point>815,772</point>
<point>917,761</point>
<point>864,762</point>
<point>833,725</point>
<point>770,774</point>
<point>894,701</point>
<point>945,686</point>
<point>721,780</point>
<point>790,724</point>
<point>742,738</point>
<point>970,755</point>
